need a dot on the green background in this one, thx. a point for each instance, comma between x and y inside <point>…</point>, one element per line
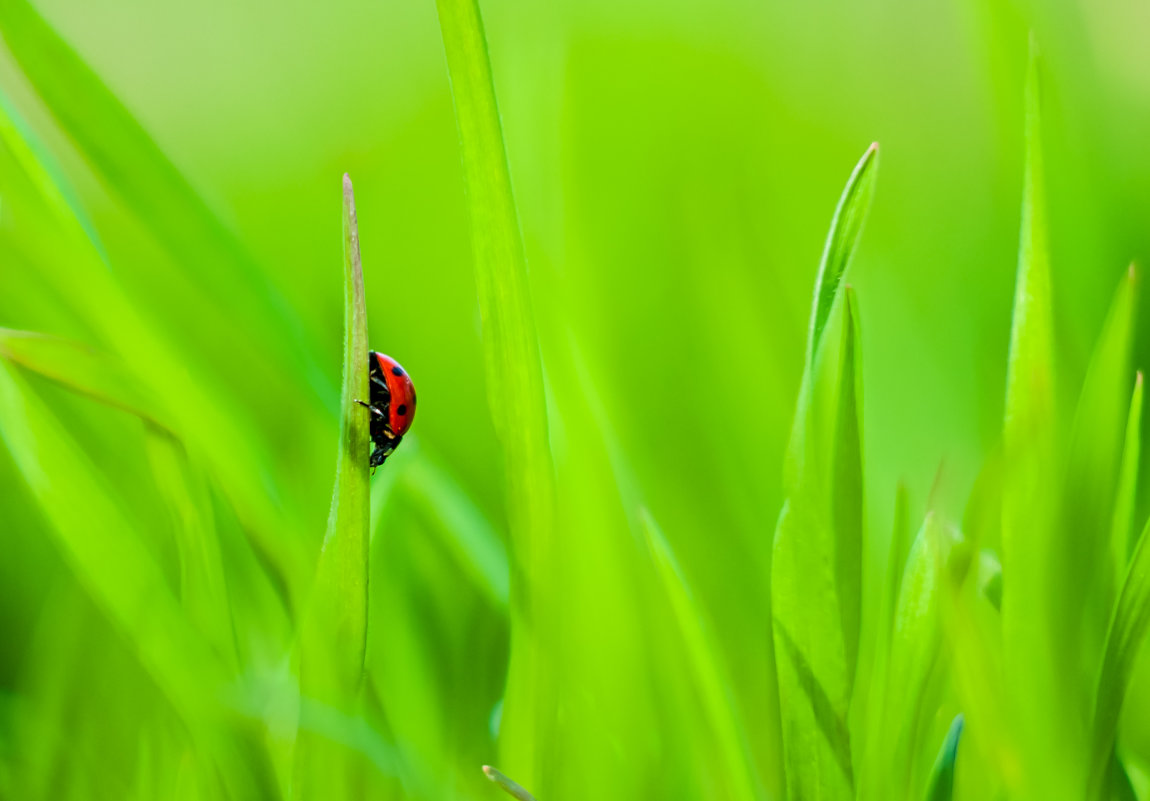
<point>675,165</point>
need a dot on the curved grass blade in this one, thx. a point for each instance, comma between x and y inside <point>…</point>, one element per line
<point>713,686</point>
<point>132,166</point>
<point>941,785</point>
<point>514,372</point>
<point>1128,629</point>
<point>846,227</point>
<point>1122,527</point>
<point>106,551</point>
<point>508,786</point>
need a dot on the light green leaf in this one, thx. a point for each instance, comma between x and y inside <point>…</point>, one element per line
<point>1124,640</point>
<point>941,785</point>
<point>514,370</point>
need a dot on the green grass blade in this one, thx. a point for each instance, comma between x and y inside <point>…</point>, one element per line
<point>941,785</point>
<point>106,551</point>
<point>133,167</point>
<point>1092,480</point>
<point>333,637</point>
<point>1122,527</point>
<point>1128,629</point>
<point>506,784</point>
<point>81,369</point>
<point>337,630</point>
<point>1034,675</point>
<point>713,686</point>
<point>814,598</point>
<point>846,227</point>
<point>513,364</point>
<point>467,533</point>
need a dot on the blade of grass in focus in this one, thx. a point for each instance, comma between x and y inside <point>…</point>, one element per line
<point>506,784</point>
<point>941,785</point>
<point>333,639</point>
<point>815,603</point>
<point>514,375</point>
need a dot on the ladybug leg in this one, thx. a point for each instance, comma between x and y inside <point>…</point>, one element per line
<point>373,409</point>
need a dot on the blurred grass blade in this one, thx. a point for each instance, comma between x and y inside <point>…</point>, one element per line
<point>508,786</point>
<point>846,226</point>
<point>896,557</point>
<point>81,369</point>
<point>941,785</point>
<point>1087,502</point>
<point>1128,628</point>
<point>107,553</point>
<point>1036,678</point>
<point>337,634</point>
<point>713,687</point>
<point>133,167</point>
<point>468,535</point>
<point>814,584</point>
<point>1122,527</point>
<point>514,373</point>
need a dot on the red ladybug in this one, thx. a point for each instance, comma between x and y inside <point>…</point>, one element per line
<point>392,404</point>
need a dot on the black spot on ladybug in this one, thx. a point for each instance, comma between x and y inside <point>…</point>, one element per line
<point>397,370</point>
<point>402,410</point>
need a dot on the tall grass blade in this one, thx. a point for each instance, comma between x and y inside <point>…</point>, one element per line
<point>1128,628</point>
<point>941,785</point>
<point>513,367</point>
<point>333,640</point>
<point>1030,644</point>
<point>814,586</point>
<point>713,686</point>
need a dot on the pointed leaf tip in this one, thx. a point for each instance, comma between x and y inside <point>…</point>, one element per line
<point>506,784</point>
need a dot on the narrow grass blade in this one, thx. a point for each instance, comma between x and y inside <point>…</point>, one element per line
<point>81,369</point>
<point>941,785</point>
<point>1088,499</point>
<point>896,557</point>
<point>508,786</point>
<point>333,636</point>
<point>1122,527</point>
<point>513,367</point>
<point>713,686</point>
<point>814,593</point>
<point>133,167</point>
<point>1035,677</point>
<point>106,551</point>
<point>468,534</point>
<point>336,634</point>
<point>1128,629</point>
<point>846,227</point>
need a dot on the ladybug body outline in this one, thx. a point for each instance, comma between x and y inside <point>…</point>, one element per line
<point>392,405</point>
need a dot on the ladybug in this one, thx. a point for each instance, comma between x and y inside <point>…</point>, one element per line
<point>392,405</point>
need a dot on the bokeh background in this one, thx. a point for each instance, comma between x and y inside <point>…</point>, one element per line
<point>676,165</point>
